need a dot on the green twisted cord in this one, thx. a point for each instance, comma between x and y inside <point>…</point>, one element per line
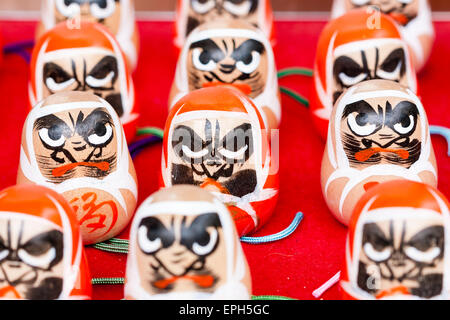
<point>295,71</point>
<point>300,99</point>
<point>150,130</point>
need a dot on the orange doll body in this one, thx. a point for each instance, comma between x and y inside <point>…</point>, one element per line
<point>73,142</point>
<point>378,132</point>
<point>84,59</point>
<point>42,253</point>
<point>350,52</point>
<point>116,15</point>
<point>215,138</point>
<point>398,244</point>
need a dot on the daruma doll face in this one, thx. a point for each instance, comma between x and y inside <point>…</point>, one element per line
<point>73,142</point>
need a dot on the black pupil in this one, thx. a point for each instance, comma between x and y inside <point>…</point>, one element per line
<point>405,122</point>
<point>203,238</point>
<point>54,133</point>
<point>100,129</point>
<point>237,1</point>
<point>361,119</point>
<point>101,3</point>
<point>205,57</point>
<point>203,1</point>
<point>248,59</point>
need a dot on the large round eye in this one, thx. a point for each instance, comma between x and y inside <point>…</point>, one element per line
<point>202,6</point>
<point>68,8</point>
<point>102,133</point>
<point>422,256</point>
<point>104,9</point>
<point>100,83</point>
<point>233,154</point>
<point>351,80</point>
<point>52,136</point>
<point>202,63</point>
<point>359,124</point>
<point>58,86</point>
<point>250,65</point>
<point>376,255</point>
<point>391,75</point>
<point>238,9</point>
<point>192,154</point>
<point>360,2</point>
<point>147,245</point>
<point>203,248</point>
<point>405,125</point>
<point>40,261</point>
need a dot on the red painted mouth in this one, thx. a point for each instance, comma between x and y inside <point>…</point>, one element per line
<point>58,172</point>
<point>5,290</point>
<point>364,155</point>
<point>204,281</point>
<point>243,87</point>
<point>393,291</point>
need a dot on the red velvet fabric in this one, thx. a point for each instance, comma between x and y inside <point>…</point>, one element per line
<point>291,267</point>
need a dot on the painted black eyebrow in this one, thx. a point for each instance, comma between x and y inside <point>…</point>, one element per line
<point>348,66</point>
<point>210,48</point>
<point>375,236</point>
<point>104,67</point>
<point>402,109</point>
<point>157,230</point>
<point>49,121</point>
<point>243,52</point>
<point>196,232</point>
<point>390,63</point>
<point>239,137</point>
<point>87,126</point>
<point>196,143</point>
<point>427,238</point>
<point>361,106</point>
<point>43,242</point>
<point>56,72</point>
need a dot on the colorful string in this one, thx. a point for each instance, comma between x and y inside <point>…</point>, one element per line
<point>294,71</point>
<point>294,95</point>
<point>20,49</point>
<point>444,132</point>
<point>278,236</point>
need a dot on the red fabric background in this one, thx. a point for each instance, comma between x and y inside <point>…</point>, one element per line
<point>291,267</point>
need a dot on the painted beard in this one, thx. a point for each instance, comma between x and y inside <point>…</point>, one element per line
<point>228,61</point>
<point>182,257</point>
<point>403,13</point>
<point>215,161</point>
<point>29,268</point>
<point>72,75</point>
<point>406,269</point>
<point>201,11</point>
<point>387,136</point>
<point>82,146</point>
<point>348,72</point>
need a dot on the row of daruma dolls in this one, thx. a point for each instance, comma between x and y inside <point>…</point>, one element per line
<point>217,138</point>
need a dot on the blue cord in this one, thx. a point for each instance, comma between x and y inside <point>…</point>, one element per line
<point>278,236</point>
<point>442,131</point>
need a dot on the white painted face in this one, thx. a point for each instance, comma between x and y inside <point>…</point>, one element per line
<point>253,64</point>
<point>184,250</point>
<point>374,136</point>
<point>75,174</point>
